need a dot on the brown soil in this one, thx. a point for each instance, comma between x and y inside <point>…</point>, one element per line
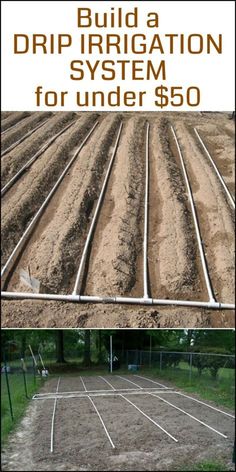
<point>114,265</point>
<point>80,442</point>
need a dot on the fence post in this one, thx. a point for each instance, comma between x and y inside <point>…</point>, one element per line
<point>24,377</point>
<point>34,373</point>
<point>190,366</point>
<point>8,389</point>
<point>160,360</point>
<point>150,353</point>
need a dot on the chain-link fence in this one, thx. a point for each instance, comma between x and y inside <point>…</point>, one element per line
<point>218,367</point>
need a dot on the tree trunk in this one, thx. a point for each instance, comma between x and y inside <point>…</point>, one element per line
<point>99,346</point>
<point>60,346</point>
<point>23,345</point>
<point>87,359</point>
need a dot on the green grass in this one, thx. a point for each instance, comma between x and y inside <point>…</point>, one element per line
<point>206,466</point>
<point>221,390</point>
<point>19,400</point>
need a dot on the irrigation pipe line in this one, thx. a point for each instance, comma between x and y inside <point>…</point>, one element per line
<point>108,383</point>
<point>103,424</point>
<point>231,200</point>
<point>16,143</point>
<point>145,239</point>
<point>205,404</point>
<point>94,219</point>
<point>13,126</point>
<point>130,381</point>
<point>118,390</point>
<point>188,414</point>
<point>29,229</point>
<point>33,159</point>
<point>149,418</point>
<point>82,384</point>
<point>114,300</point>
<point>195,219</point>
<point>150,380</point>
<point>52,396</point>
<point>53,417</point>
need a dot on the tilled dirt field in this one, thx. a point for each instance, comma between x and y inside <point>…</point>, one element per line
<point>80,441</point>
<point>114,264</point>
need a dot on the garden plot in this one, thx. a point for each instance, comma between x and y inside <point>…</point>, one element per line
<point>129,421</point>
<point>120,210</point>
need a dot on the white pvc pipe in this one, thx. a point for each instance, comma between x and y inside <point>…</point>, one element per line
<point>118,390</point>
<point>36,217</point>
<point>94,219</point>
<point>82,384</point>
<point>16,143</point>
<point>130,381</point>
<point>15,124</point>
<point>53,417</point>
<point>106,393</point>
<point>115,300</point>
<point>231,200</point>
<point>33,159</point>
<point>188,414</point>
<point>197,230</point>
<point>103,424</point>
<point>108,383</point>
<point>145,238</point>
<point>150,380</point>
<point>149,418</point>
<point>205,404</point>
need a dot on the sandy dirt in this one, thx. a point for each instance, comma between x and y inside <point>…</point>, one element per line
<point>114,265</point>
<point>80,442</point>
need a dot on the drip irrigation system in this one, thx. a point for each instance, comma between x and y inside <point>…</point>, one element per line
<point>95,216</point>
<point>16,143</point>
<point>29,163</point>
<point>195,220</point>
<point>229,196</point>
<point>145,300</point>
<point>11,260</point>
